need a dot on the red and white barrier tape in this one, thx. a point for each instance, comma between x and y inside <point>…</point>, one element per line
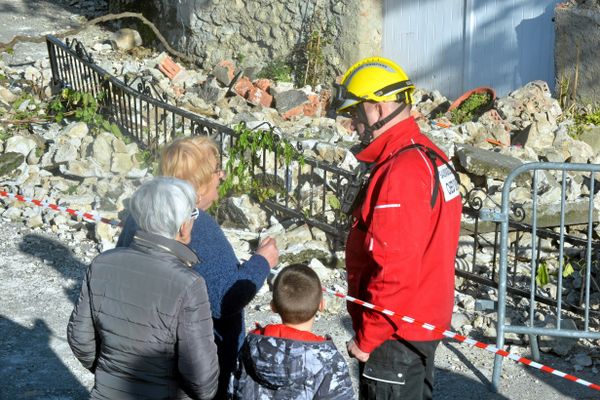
<point>452,335</point>
<point>467,340</point>
<point>45,204</point>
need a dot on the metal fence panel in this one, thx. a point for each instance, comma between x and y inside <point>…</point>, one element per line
<point>563,172</point>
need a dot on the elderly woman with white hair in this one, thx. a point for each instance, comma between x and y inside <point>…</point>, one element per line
<point>142,323</point>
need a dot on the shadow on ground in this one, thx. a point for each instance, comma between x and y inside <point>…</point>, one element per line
<point>59,257</point>
<point>30,368</point>
<point>450,385</point>
<point>568,389</point>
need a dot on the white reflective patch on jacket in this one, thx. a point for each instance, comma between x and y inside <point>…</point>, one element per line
<point>394,205</point>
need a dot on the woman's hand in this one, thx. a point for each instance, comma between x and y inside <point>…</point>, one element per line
<point>268,249</point>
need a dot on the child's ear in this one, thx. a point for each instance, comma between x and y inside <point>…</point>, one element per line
<point>322,304</point>
<point>273,308</point>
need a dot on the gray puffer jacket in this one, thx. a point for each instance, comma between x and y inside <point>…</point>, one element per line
<point>286,369</point>
<point>142,323</point>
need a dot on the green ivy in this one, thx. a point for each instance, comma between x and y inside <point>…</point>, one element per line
<point>83,107</point>
<point>245,153</point>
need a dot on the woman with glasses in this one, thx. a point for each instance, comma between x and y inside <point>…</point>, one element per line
<point>142,322</point>
<point>231,285</point>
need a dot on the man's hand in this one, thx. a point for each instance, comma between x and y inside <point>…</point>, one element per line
<point>355,351</point>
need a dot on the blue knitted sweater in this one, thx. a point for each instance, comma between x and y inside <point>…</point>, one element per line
<point>231,285</point>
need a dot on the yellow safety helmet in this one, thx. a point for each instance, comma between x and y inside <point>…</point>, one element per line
<point>374,79</point>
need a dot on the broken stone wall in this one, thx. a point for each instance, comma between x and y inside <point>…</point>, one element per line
<point>578,49</point>
<point>256,32</point>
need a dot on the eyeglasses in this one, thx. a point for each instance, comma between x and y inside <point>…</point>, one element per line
<point>195,213</point>
<point>351,113</point>
<point>219,172</point>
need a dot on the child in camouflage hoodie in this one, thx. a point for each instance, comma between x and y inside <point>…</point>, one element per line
<point>288,361</point>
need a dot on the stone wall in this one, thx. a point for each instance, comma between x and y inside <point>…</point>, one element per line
<point>577,31</point>
<point>254,33</point>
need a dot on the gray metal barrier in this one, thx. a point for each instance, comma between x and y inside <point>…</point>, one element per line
<point>543,175</point>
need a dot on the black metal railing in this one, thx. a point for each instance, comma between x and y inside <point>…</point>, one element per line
<point>144,114</point>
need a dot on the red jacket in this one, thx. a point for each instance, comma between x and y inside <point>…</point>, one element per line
<point>400,251</point>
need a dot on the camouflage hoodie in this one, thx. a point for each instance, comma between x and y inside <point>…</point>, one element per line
<point>281,368</point>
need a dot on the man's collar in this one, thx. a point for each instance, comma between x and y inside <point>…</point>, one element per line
<point>385,144</point>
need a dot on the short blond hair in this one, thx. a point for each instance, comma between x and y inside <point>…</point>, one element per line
<point>192,159</point>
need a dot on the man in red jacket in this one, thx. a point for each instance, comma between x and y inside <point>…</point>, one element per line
<point>401,248</point>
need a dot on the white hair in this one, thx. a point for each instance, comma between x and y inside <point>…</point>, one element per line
<point>162,205</point>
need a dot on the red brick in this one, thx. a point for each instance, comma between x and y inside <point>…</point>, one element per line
<point>325,100</point>
<point>259,97</point>
<point>263,84</point>
<point>169,67</point>
<point>243,86</point>
<point>313,107</point>
<point>294,112</point>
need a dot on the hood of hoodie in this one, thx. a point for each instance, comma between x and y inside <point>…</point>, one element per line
<point>275,362</point>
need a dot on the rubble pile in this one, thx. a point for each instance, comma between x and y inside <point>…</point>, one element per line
<point>67,164</point>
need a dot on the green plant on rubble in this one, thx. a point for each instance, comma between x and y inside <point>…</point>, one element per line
<point>563,89</point>
<point>333,202</point>
<point>240,57</point>
<point>71,190</point>
<point>28,112</point>
<point>148,159</point>
<point>568,270</point>
<point>542,278</point>
<point>277,70</point>
<point>469,108</point>
<point>83,107</point>
<point>4,134</point>
<point>583,119</point>
<point>245,153</point>
<point>309,53</point>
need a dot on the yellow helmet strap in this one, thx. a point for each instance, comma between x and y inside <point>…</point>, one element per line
<point>369,129</point>
<point>367,135</point>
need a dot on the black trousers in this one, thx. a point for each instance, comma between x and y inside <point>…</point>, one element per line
<point>399,369</point>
